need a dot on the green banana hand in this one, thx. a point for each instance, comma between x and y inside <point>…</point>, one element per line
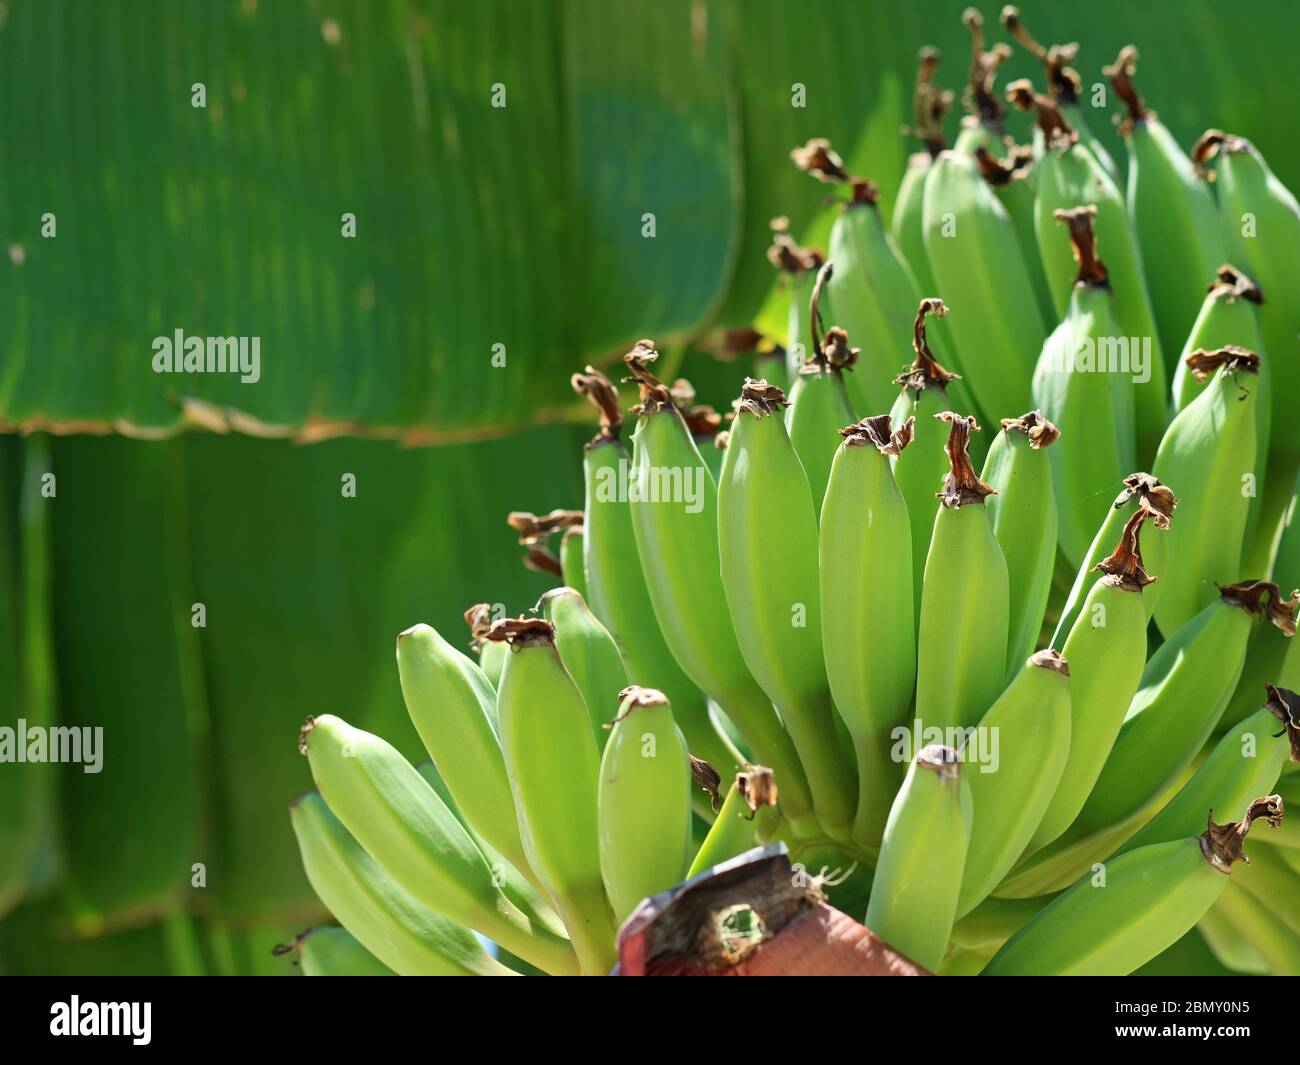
<point>386,919</point>
<point>868,630</point>
<point>400,821</point>
<point>590,655</point>
<point>1145,900</point>
<point>331,951</point>
<point>1023,513</point>
<point>768,540</point>
<point>734,830</point>
<point>1032,720</point>
<point>619,596</point>
<point>919,871</point>
<point>962,635</point>
<point>554,770</point>
<point>644,802</point>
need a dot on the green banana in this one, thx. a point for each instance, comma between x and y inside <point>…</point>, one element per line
<point>1146,900</point>
<point>1184,689</point>
<point>572,550</point>
<point>454,709</point>
<point>872,287</point>
<point>819,403</point>
<point>331,951</point>
<point>1226,943</point>
<point>1068,178</point>
<point>977,264</point>
<point>491,656</point>
<point>981,127</point>
<point>1011,179</point>
<point>799,267</point>
<point>1270,878</point>
<point>1256,925</point>
<point>589,653</point>
<point>1106,650</point>
<point>400,821</point>
<point>1173,214</point>
<point>962,634</point>
<point>1023,513</point>
<point>1261,227</point>
<point>994,921</point>
<point>1142,491</point>
<point>919,871</point>
<point>1032,717</point>
<point>1064,85</point>
<point>867,623</point>
<point>767,535</point>
<point>926,390</point>
<point>752,794</point>
<point>644,803</point>
<point>389,922</point>
<point>554,770</point>
<point>1209,452</point>
<point>930,106</point>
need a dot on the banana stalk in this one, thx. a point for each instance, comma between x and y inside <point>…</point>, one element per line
<point>1023,513</point>
<point>734,830</point>
<point>331,951</point>
<point>962,635</point>
<point>590,655</point>
<point>868,629</point>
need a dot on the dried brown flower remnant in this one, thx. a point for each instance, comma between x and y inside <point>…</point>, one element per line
<point>925,371</point>
<point>1041,432</point>
<point>878,430</point>
<point>1230,358</point>
<point>961,484</point>
<point>1221,844</point>
<point>1123,566</point>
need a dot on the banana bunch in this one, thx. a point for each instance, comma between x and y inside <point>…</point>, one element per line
<point>990,611</point>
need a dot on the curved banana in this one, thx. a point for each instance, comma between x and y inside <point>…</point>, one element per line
<point>982,126</point>
<point>962,635</point>
<point>590,655</point>
<point>572,551</point>
<point>1173,214</point>
<point>387,919</point>
<point>1256,925</point>
<point>644,805</point>
<point>1031,723</point>
<point>619,597</point>
<point>1150,898</point>
<point>1106,650</point>
<point>331,951</point>
<point>872,288</point>
<point>734,830</point>
<point>1023,513</point>
<point>767,535</point>
<point>919,871</point>
<point>554,772</point>
<point>1226,942</point>
<point>930,106</point>
<point>868,627</point>
<point>1209,453</point>
<point>1011,179</point>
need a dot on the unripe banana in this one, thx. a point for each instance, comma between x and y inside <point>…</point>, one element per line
<point>930,106</point>
<point>1209,453</point>
<point>799,267</point>
<point>982,126</point>
<point>1031,723</point>
<point>1140,490</point>
<point>1184,689</point>
<point>872,289</point>
<point>1270,878</point>
<point>977,265</point>
<point>331,951</point>
<point>819,404</point>
<point>1011,179</point>
<point>1106,650</point>
<point>554,770</point>
<point>644,802</point>
<point>767,534</point>
<point>919,871</point>
<point>1226,943</point>
<point>1063,84</point>
<point>868,628</point>
<point>572,570</point>
<point>619,597</point>
<point>491,656</point>
<point>1068,178</point>
<point>1023,513</point>
<point>1256,924</point>
<point>388,920</point>
<point>454,709</point>
<point>1173,214</point>
<point>752,795</point>
<point>962,637</point>
<point>590,655</point>
<point>1148,899</point>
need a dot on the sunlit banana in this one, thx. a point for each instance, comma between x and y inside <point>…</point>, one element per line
<point>1256,924</point>
<point>868,628</point>
<point>554,770</point>
<point>751,797</point>
<point>1023,743</point>
<point>590,655</point>
<point>644,802</point>
<point>767,534</point>
<point>619,597</point>
<point>919,871</point>
<point>962,634</point>
<point>1148,899</point>
<point>982,127</point>
<point>572,569</point>
<point>930,106</point>
<point>1226,942</point>
<point>331,951</point>
<point>1208,452</point>
<point>1010,179</point>
<point>386,919</point>
<point>799,267</point>
<point>1023,513</point>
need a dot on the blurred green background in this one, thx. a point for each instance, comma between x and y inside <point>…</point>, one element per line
<point>476,226</point>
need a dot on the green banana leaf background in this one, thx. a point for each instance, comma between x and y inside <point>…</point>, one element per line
<point>534,185</point>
